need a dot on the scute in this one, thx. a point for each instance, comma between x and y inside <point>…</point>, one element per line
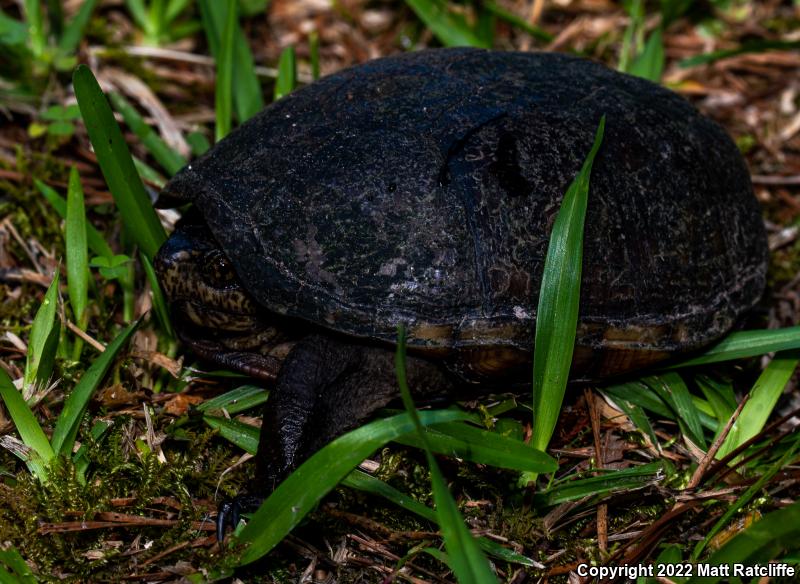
<point>422,189</point>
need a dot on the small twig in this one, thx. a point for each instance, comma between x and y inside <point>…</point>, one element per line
<point>82,334</point>
<point>602,509</point>
<point>712,452</point>
<point>183,56</point>
<point>762,179</point>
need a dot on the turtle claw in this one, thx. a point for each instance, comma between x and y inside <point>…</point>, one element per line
<point>230,511</point>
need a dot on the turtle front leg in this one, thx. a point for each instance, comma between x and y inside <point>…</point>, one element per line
<point>325,387</point>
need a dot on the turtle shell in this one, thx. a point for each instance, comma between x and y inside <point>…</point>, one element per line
<point>422,188</point>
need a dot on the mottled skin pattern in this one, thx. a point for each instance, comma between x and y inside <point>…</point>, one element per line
<point>421,189</point>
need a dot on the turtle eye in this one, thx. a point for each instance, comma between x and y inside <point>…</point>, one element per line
<point>218,270</point>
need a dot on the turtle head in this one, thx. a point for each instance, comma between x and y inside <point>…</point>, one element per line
<point>200,282</point>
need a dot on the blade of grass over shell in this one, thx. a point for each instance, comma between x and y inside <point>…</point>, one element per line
<point>484,447</point>
<point>364,482</point>
<point>763,397</point>
<point>115,161</point>
<point>247,97</point>
<point>94,239</point>
<point>70,417</point>
<point>756,46</point>
<point>559,296</point>
<point>224,83</point>
<point>43,340</point>
<point>745,498</point>
<point>159,302</point>
<point>27,426</point>
<point>301,491</point>
<point>608,482</point>
<point>758,544</point>
<point>287,73</point>
<point>451,30</point>
<point>77,256</point>
<point>465,557</point>
<point>73,33</point>
<point>169,159</point>
<point>743,344</point>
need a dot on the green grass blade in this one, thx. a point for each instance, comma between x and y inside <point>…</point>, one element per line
<point>522,24</point>
<point>43,341</point>
<point>313,43</point>
<point>138,12</point>
<point>115,160</point>
<point>159,302</point>
<point>248,99</point>
<point>224,85</point>
<point>483,447</point>
<point>451,31</point>
<point>745,498</point>
<point>235,401</point>
<point>369,484</point>
<point>649,64</point>
<point>28,427</point>
<point>12,31</point>
<point>763,397</point>
<point>14,560</point>
<point>243,435</point>
<point>76,249</point>
<point>759,543</point>
<point>745,344</point>
<point>608,482</point>
<point>94,239</point>
<point>287,73</point>
<point>301,491</point>
<point>559,295</point>
<point>652,400</point>
<point>33,16</point>
<point>68,43</point>
<point>55,17</point>
<point>70,417</point>
<point>174,9</point>
<point>81,458</point>
<point>465,556</point>
<point>674,392</point>
<point>169,159</point>
<point>639,419</point>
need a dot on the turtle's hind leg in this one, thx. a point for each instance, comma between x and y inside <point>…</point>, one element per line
<point>325,387</point>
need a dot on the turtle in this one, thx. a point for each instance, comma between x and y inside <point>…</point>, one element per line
<point>420,190</point>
